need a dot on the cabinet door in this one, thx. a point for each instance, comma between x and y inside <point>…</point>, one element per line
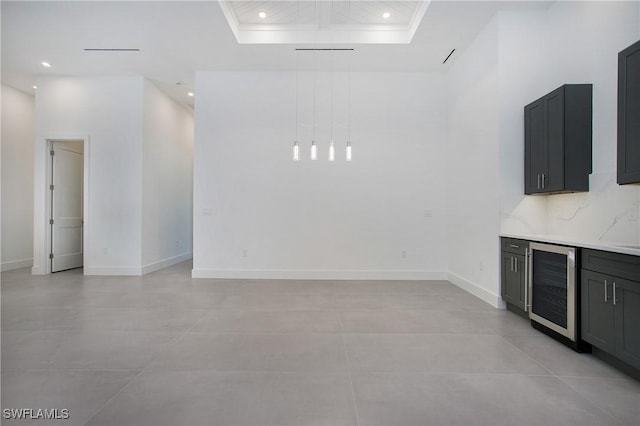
<point>629,115</point>
<point>513,279</point>
<point>627,321</point>
<point>554,162</point>
<point>597,310</point>
<point>535,144</point>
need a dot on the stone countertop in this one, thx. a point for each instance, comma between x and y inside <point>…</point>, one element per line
<point>576,242</point>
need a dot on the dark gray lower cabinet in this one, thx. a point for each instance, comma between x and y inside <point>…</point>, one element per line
<point>597,310</point>
<point>513,272</point>
<point>627,321</point>
<point>610,304</point>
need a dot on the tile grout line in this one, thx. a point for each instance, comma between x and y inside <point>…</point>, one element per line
<point>535,361</point>
<point>606,411</point>
<point>170,345</point>
<point>346,354</point>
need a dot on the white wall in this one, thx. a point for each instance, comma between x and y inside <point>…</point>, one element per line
<point>18,129</point>
<point>521,80</point>
<point>571,42</point>
<point>109,112</point>
<point>259,214</point>
<point>473,167</point>
<point>166,180</point>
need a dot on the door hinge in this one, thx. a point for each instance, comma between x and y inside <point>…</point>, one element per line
<point>51,187</point>
<point>51,153</point>
<point>50,221</point>
<point>50,255</point>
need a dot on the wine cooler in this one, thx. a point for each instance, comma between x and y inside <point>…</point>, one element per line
<point>552,288</point>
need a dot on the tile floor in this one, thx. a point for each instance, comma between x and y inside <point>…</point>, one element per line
<point>165,349</point>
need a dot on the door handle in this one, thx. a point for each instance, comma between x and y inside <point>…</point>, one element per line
<point>605,291</point>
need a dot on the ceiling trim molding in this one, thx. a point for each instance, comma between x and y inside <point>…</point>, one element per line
<point>323,31</point>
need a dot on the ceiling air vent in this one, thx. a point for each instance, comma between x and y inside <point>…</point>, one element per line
<point>110,50</point>
<point>448,56</point>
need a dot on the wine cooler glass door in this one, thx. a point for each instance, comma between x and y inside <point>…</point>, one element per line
<point>552,288</point>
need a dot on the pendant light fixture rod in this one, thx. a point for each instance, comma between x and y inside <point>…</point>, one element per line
<point>297,66</point>
<point>349,100</point>
<point>297,78</point>
<point>332,148</point>
<point>331,101</point>
<point>348,147</point>
<point>314,147</point>
<point>296,145</point>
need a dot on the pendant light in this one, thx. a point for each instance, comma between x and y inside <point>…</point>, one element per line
<point>296,151</point>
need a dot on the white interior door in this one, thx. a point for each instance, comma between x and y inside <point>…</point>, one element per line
<point>66,205</point>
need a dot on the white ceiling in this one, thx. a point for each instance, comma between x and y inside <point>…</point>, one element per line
<point>178,38</point>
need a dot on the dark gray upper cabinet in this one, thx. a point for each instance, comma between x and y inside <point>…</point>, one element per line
<point>629,115</point>
<point>557,139</point>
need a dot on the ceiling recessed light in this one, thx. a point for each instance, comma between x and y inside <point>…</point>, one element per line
<point>46,64</point>
<point>262,15</point>
<point>35,87</point>
<point>386,15</point>
<point>190,94</point>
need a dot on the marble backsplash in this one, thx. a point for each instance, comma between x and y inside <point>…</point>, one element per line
<point>608,213</point>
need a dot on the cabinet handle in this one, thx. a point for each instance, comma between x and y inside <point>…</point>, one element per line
<point>514,246</point>
<point>511,260</point>
<point>614,293</point>
<point>538,181</point>
<point>515,262</point>
<point>543,181</point>
<point>605,291</point>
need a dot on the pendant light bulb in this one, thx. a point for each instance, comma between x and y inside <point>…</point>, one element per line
<point>296,151</point>
<point>348,151</point>
<point>314,150</point>
<point>332,152</point>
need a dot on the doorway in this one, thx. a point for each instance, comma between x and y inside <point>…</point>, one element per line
<point>66,207</point>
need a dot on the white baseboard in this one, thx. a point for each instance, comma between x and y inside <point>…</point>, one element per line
<point>152,267</point>
<point>317,275</point>
<point>132,270</point>
<point>16,264</point>
<point>112,270</point>
<point>36,270</point>
<point>481,293</point>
